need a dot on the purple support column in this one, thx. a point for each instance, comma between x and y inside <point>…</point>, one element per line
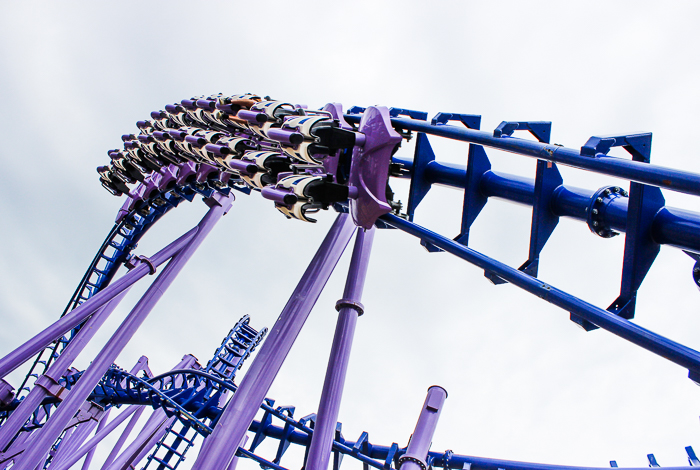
<point>92,444</point>
<point>92,375</point>
<point>149,435</point>
<point>235,459</point>
<point>154,429</point>
<point>349,309</point>
<point>48,383</point>
<point>76,316</point>
<point>82,431</point>
<point>418,447</point>
<point>122,439</point>
<point>74,451</point>
<point>217,451</point>
<point>89,446</point>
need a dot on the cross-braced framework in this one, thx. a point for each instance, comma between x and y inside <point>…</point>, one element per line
<point>306,161</point>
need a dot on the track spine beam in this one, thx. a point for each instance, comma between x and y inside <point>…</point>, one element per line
<point>670,226</point>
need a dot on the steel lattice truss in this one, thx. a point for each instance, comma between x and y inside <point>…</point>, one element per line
<point>307,161</point>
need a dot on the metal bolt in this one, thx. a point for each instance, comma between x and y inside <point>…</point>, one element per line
<point>595,224</point>
<point>594,211</point>
<point>600,199</point>
<point>606,192</point>
<point>616,189</point>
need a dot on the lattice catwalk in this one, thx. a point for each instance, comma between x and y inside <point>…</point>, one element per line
<point>307,161</point>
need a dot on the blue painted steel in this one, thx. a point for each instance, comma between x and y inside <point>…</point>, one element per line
<point>478,164</point>
<point>472,121</point>
<point>664,347</point>
<point>640,248</point>
<point>638,145</point>
<point>671,226</point>
<point>420,184</point>
<point>395,112</point>
<point>541,130</point>
<point>662,177</point>
<point>544,221</point>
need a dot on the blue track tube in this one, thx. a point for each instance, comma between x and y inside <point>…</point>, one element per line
<point>645,173</point>
<point>664,347</point>
<point>671,226</point>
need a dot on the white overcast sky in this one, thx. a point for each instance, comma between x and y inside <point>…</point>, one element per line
<point>524,382</point>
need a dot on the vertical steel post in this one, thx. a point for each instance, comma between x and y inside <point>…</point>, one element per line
<point>92,375</point>
<point>217,450</point>
<point>349,308</point>
<point>48,383</point>
<point>418,447</point>
<point>76,316</point>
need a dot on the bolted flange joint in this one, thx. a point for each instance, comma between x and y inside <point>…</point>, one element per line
<point>596,209</point>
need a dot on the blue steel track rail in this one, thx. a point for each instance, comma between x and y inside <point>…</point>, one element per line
<point>645,173</point>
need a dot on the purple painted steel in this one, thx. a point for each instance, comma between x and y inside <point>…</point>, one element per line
<point>329,406</point>
<point>285,136</point>
<point>82,431</point>
<point>278,195</point>
<point>151,433</point>
<point>246,167</point>
<point>76,316</point>
<point>369,171</point>
<point>7,393</point>
<point>91,449</point>
<point>418,447</point>
<point>330,163</point>
<point>92,375</point>
<point>30,403</point>
<point>154,429</point>
<point>124,436</point>
<point>217,451</point>
<point>102,432</point>
<point>234,460</point>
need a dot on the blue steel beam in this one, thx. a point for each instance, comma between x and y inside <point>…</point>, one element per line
<point>640,172</point>
<point>671,226</point>
<point>664,347</point>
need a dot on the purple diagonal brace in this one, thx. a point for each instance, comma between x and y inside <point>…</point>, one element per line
<point>76,316</point>
<point>418,447</point>
<point>102,432</point>
<point>155,428</point>
<point>349,309</point>
<point>92,375</point>
<point>20,415</point>
<point>217,451</point>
